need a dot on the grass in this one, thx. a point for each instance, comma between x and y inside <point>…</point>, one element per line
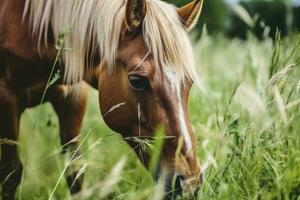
<point>247,128</point>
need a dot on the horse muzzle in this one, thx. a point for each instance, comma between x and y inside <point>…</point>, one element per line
<point>179,186</point>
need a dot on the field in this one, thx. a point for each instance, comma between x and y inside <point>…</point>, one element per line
<point>247,126</point>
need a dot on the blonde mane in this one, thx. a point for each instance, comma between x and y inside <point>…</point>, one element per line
<point>99,22</point>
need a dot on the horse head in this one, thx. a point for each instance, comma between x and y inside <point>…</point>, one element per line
<point>150,84</point>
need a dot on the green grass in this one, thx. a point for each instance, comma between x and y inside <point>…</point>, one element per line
<point>247,129</point>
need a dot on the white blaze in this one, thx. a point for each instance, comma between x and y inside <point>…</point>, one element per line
<point>175,81</point>
<point>184,129</point>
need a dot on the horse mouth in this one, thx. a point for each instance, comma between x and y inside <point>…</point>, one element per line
<point>177,186</point>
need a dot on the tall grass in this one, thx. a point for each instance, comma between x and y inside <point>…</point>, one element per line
<point>247,128</point>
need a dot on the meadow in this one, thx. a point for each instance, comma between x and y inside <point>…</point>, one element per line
<point>247,125</point>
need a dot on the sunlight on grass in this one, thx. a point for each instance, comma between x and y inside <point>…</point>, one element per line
<point>247,129</point>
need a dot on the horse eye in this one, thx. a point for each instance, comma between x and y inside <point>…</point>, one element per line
<point>139,83</point>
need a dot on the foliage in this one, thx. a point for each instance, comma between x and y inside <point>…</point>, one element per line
<point>296,18</point>
<point>215,14</point>
<point>247,129</point>
<point>265,16</point>
<point>268,16</point>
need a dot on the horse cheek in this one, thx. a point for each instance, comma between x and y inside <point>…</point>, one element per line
<point>116,101</point>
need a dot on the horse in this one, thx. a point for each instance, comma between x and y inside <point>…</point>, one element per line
<point>134,52</point>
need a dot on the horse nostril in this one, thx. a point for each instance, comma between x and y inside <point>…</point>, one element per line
<point>178,186</point>
<point>201,177</point>
<point>197,189</point>
<point>196,192</point>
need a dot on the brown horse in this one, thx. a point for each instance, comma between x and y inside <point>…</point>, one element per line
<point>135,52</point>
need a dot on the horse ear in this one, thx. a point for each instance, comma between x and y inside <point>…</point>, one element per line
<point>135,13</point>
<point>190,13</point>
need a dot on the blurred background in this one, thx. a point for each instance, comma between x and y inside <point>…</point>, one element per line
<point>237,18</point>
<point>246,125</point>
